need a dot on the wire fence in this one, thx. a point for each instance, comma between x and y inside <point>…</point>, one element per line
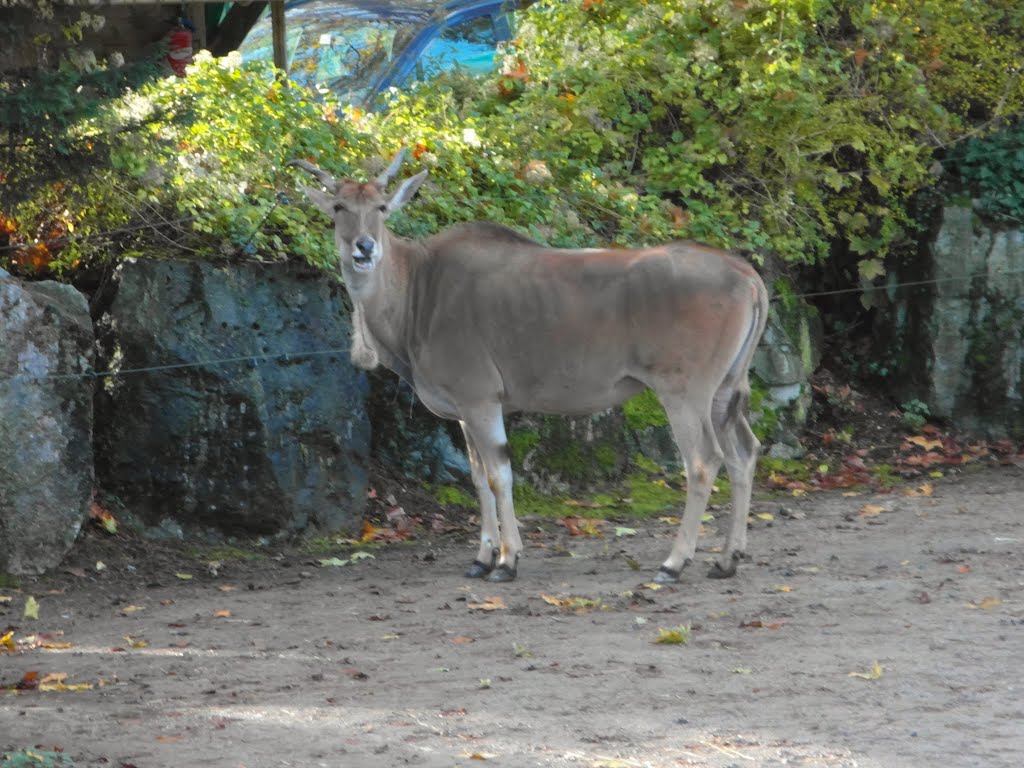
<point>257,358</point>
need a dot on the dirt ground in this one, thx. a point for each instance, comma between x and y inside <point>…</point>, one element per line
<point>398,660</point>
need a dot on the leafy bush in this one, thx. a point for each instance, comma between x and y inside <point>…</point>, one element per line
<point>993,170</point>
<point>762,125</point>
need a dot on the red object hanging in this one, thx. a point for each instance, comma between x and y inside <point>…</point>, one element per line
<point>179,53</point>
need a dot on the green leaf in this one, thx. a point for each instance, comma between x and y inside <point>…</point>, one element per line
<point>869,269</point>
<point>333,562</point>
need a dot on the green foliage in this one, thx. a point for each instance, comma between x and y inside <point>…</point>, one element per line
<point>644,410</point>
<point>914,414</point>
<point>765,126</point>
<point>993,170</point>
<point>520,443</point>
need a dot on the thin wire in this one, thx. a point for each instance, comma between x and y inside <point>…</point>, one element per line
<point>908,284</point>
<point>27,378</point>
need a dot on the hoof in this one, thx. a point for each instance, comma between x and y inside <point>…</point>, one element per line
<point>477,570</point>
<point>666,575</point>
<point>718,572</point>
<point>502,574</point>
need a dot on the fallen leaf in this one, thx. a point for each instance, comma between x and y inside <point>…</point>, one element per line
<point>5,598</point>
<point>622,530</point>
<point>222,613</point>
<point>986,603</point>
<point>923,442</point>
<point>29,682</point>
<point>168,739</point>
<point>103,518</point>
<point>489,604</point>
<point>742,670</point>
<point>760,624</point>
<point>7,640</point>
<point>783,588</point>
<point>130,609</point>
<point>871,510</point>
<point>452,712</point>
<point>652,585</point>
<point>674,636</point>
<point>357,556</point>
<point>922,490</point>
<point>485,682</point>
<point>572,603</point>
<point>965,568</point>
<point>333,562</point>
<point>873,674</point>
<point>136,642</point>
<point>184,576</point>
<point>31,608</point>
<point>462,640</point>
<point>100,566</point>
<point>227,588</point>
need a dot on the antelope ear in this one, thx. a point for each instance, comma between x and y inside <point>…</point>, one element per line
<point>321,200</point>
<point>405,192</point>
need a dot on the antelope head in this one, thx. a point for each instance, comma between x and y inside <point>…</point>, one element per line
<point>359,211</point>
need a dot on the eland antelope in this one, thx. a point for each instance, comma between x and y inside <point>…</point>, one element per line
<point>482,321</point>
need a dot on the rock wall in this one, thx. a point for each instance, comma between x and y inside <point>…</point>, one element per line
<point>46,416</point>
<point>963,336</point>
<point>275,439</point>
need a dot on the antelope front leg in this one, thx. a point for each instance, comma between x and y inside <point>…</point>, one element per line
<point>485,429</point>
<point>487,555</point>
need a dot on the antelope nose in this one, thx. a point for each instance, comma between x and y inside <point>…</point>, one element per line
<point>365,245</point>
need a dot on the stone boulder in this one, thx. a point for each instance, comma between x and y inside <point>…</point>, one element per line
<point>46,415</point>
<point>957,339</point>
<point>237,408</point>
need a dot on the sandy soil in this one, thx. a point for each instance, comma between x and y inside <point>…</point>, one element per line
<point>396,660</point>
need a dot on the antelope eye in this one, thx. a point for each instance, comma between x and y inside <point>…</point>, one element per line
<point>382,208</point>
<point>339,207</point>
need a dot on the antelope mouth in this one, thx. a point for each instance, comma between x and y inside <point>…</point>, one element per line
<point>361,262</point>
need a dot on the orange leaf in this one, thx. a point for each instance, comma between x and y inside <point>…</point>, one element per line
<point>222,613</point>
<point>489,604</point>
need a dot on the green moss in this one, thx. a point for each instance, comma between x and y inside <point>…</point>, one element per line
<point>607,457</point>
<point>520,443</point>
<point>643,411</point>
<point>793,468</point>
<point>529,501</point>
<point>7,581</point>
<point>453,496</point>
<point>766,419</point>
<point>885,476</point>
<point>724,492</point>
<point>647,465</point>
<point>650,497</point>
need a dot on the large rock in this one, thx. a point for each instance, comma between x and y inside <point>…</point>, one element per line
<point>976,324</point>
<point>956,340</point>
<point>273,438</point>
<point>46,408</point>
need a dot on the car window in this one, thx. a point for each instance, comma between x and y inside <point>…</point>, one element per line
<point>325,46</point>
<point>469,45</point>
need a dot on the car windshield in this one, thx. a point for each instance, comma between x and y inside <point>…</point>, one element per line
<point>343,46</point>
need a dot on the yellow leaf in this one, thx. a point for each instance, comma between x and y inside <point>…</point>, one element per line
<point>390,637</point>
<point>765,516</point>
<point>136,642</point>
<point>130,609</point>
<point>184,576</point>
<point>922,490</point>
<point>652,585</point>
<point>873,674</point>
<point>5,598</point>
<point>986,603</point>
<point>871,510</point>
<point>799,492</point>
<point>923,442</point>
<point>783,588</point>
<point>31,608</point>
<point>7,640</point>
<point>675,636</point>
<point>489,604</point>
<point>222,613</point>
<point>669,520</point>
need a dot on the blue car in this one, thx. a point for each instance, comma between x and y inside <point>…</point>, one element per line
<point>359,48</point>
